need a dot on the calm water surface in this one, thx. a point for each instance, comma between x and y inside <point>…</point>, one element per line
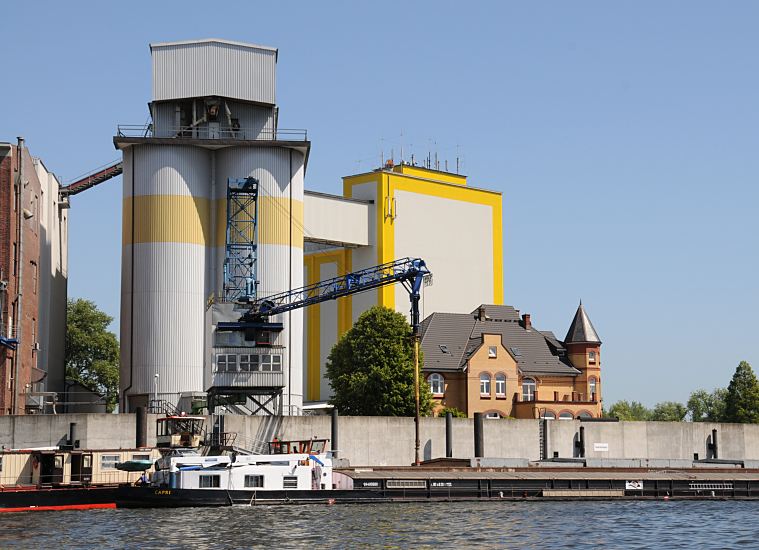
<point>658,524</point>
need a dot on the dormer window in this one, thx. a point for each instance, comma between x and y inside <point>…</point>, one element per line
<point>492,352</point>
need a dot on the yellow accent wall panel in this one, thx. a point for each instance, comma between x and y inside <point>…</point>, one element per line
<point>167,219</point>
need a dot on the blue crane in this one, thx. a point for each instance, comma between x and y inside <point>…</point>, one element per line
<point>410,272</point>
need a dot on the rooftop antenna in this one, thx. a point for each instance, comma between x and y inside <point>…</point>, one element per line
<point>401,146</point>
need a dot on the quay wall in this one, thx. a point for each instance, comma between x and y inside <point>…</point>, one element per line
<point>387,441</point>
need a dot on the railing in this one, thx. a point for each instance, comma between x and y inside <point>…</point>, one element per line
<point>557,397</point>
<point>8,332</point>
<point>206,132</point>
<point>110,477</point>
<point>160,406</point>
<point>260,379</point>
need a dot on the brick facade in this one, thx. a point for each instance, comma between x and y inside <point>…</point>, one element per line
<point>11,265</point>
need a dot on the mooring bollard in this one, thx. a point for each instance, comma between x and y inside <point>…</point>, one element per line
<point>479,438</point>
<point>141,428</point>
<point>448,435</point>
<point>335,415</point>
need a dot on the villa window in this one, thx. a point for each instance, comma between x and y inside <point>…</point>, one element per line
<point>500,385</point>
<point>492,352</point>
<point>437,383</point>
<point>592,388</point>
<point>528,389</point>
<point>584,414</point>
<point>485,384</point>
<point>548,415</point>
<point>493,415</point>
<point>210,482</point>
<point>591,357</point>
<point>566,415</point>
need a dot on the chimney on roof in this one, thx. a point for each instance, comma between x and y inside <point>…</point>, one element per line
<point>481,313</point>
<point>526,323</point>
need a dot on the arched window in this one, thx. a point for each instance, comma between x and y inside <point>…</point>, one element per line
<point>592,388</point>
<point>548,415</point>
<point>500,384</point>
<point>485,384</point>
<point>437,383</point>
<point>528,389</point>
<point>584,414</point>
<point>566,415</point>
<point>493,415</point>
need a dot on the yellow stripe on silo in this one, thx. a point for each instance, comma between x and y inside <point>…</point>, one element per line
<point>274,223</point>
<point>166,219</point>
<point>187,219</point>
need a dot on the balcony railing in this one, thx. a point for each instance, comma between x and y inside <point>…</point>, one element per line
<point>206,132</point>
<point>556,397</point>
<point>259,379</point>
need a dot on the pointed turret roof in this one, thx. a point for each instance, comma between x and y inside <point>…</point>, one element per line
<point>581,330</point>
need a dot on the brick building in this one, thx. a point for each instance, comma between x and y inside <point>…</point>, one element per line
<point>495,362</point>
<point>33,275</point>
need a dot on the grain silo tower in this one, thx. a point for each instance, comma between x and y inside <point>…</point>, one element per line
<point>214,119</point>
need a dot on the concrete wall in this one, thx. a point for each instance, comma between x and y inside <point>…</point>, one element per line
<point>94,431</point>
<point>655,440</point>
<point>384,441</point>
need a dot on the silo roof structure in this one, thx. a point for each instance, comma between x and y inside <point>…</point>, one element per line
<point>197,68</point>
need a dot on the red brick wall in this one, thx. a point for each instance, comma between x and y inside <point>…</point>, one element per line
<point>25,354</point>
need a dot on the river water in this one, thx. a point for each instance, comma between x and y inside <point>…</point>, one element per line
<point>624,524</point>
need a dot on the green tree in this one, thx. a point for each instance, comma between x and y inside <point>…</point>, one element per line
<point>742,399</point>
<point>631,410</point>
<point>669,411</point>
<point>92,351</point>
<point>371,368</point>
<point>707,407</point>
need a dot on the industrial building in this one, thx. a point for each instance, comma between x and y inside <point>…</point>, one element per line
<point>214,119</point>
<point>399,211</point>
<point>495,362</point>
<point>33,278</point>
<point>214,122</point>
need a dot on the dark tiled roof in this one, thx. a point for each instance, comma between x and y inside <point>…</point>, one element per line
<point>443,339</point>
<point>461,335</point>
<point>581,330</point>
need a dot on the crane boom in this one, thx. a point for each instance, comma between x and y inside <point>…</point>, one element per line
<point>408,271</point>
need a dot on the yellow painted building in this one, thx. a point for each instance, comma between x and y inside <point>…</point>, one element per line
<point>395,212</point>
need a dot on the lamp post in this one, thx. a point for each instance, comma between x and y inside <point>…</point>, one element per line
<point>155,389</point>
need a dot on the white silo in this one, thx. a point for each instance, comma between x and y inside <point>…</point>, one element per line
<point>213,117</point>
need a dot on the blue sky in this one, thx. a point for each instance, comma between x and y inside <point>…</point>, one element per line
<point>623,135</point>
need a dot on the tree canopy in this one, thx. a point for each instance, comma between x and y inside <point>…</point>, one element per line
<point>707,407</point>
<point>371,368</point>
<point>92,351</point>
<point>669,411</point>
<point>631,410</point>
<point>742,398</point>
